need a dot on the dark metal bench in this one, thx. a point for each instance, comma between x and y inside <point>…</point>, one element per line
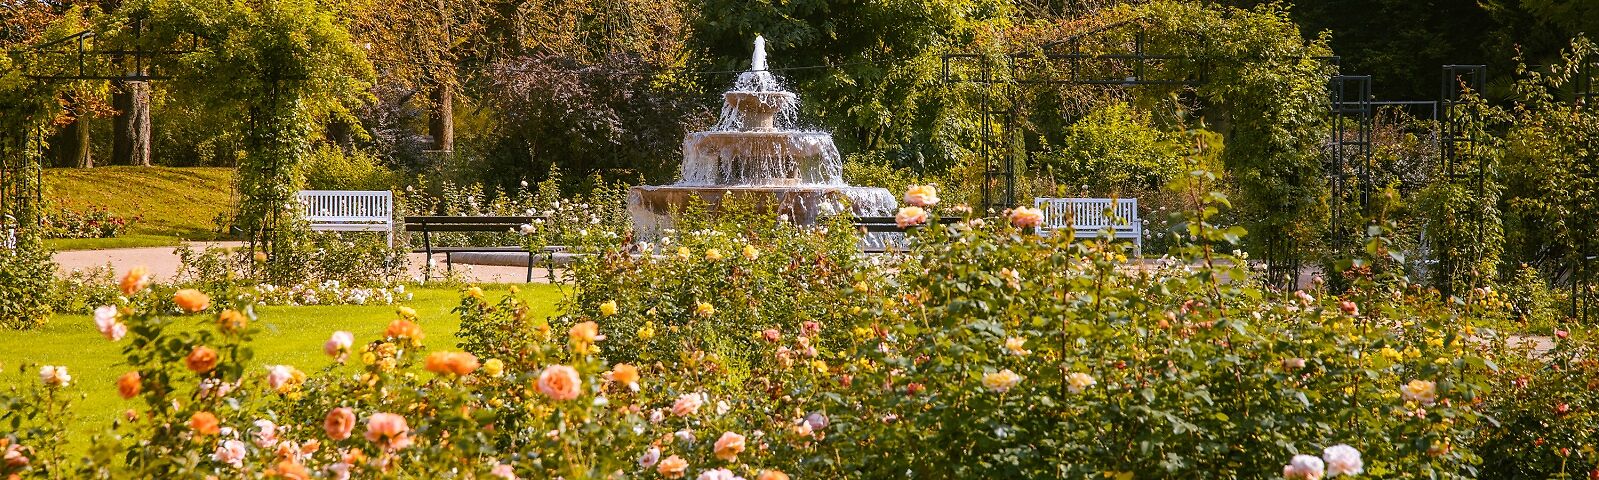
<point>888,224</point>
<point>426,225</point>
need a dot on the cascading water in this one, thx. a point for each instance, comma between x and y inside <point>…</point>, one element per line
<point>756,149</point>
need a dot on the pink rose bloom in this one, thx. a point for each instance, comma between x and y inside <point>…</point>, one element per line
<point>279,375</point>
<point>560,382</point>
<point>1026,217</point>
<point>910,216</point>
<point>105,319</point>
<point>772,335</point>
<point>1305,467</point>
<point>688,404</point>
<point>719,474</point>
<point>230,452</point>
<point>650,457</point>
<point>339,471</point>
<point>388,431</point>
<point>922,195</point>
<point>338,344</point>
<point>503,471</point>
<point>266,433</point>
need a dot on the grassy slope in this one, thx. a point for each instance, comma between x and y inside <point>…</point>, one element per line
<point>173,202</point>
<point>289,336</point>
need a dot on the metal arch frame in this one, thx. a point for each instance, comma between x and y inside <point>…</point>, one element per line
<point>1454,147</point>
<point>1350,101</point>
<point>999,103</point>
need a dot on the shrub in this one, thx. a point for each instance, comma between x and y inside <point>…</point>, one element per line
<point>27,276</point>
<point>61,221</point>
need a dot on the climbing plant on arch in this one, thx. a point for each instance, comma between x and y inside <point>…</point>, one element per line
<point>286,66</point>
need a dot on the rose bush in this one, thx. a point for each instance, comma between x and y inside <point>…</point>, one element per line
<point>750,348</point>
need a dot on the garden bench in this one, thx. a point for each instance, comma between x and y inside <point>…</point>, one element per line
<point>1086,217</point>
<point>885,225</point>
<point>426,225</point>
<point>349,211</point>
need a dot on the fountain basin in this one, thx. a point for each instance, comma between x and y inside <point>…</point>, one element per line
<point>653,208</point>
<point>733,158</point>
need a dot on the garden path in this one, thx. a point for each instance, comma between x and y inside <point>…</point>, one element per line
<point>163,264</point>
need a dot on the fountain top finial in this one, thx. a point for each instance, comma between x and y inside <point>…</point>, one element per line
<point>758,60</point>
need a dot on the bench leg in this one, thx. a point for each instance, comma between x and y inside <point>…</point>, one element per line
<point>427,262</point>
<point>449,264</point>
<point>529,266</point>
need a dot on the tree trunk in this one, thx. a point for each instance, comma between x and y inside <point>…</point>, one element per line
<point>441,124</point>
<point>131,127</point>
<point>70,145</point>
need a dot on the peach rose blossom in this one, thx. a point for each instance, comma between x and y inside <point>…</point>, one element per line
<point>290,470</point>
<point>771,475</point>
<point>265,433</point>
<point>910,216</point>
<point>688,404</point>
<point>751,253</point>
<point>191,300</point>
<point>284,378</point>
<point>560,382</point>
<point>713,255</point>
<point>1026,217</point>
<point>128,385</point>
<point>729,446</point>
<point>339,422</point>
<point>672,467</point>
<point>1304,467</point>
<point>388,431</point>
<point>504,471</point>
<point>232,321</point>
<point>1420,391</point>
<point>1077,382</point>
<point>922,195</point>
<point>201,360</point>
<point>718,474</point>
<point>205,423</point>
<point>134,280</point>
<point>1001,381</point>
<point>585,333</point>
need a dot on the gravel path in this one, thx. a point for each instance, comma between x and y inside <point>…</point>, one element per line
<point>163,264</point>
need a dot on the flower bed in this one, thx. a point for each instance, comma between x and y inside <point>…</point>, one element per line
<point>753,349</point>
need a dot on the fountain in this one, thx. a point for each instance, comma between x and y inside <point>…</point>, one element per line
<point>756,153</point>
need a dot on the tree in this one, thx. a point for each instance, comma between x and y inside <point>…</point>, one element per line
<point>878,88</point>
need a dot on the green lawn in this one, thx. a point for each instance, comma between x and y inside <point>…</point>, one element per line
<point>290,336</point>
<point>135,240</point>
<point>171,202</point>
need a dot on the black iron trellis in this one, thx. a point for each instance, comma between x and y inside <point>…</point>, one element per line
<point>1058,63</point>
<point>1456,144</point>
<point>1349,149</point>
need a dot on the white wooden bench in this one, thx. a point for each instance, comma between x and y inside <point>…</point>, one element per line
<point>349,211</point>
<point>1086,218</point>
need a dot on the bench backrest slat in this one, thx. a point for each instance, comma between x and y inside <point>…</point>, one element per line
<point>341,206</point>
<point>1088,213</point>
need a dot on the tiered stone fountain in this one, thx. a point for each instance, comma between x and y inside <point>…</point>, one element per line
<point>756,154</point>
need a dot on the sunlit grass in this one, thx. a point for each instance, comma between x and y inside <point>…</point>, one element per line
<point>289,336</point>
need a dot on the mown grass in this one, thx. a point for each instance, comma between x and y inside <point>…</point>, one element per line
<point>171,202</point>
<point>289,336</point>
<point>124,241</point>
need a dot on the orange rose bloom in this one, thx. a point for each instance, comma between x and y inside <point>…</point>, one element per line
<point>403,328</point>
<point>191,300</point>
<point>135,280</point>
<point>289,470</point>
<point>585,333</point>
<point>201,360</point>
<point>672,467</point>
<point>624,374</point>
<point>451,363</point>
<point>230,321</point>
<point>339,423</point>
<point>205,423</point>
<point>771,475</point>
<point>128,384</point>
